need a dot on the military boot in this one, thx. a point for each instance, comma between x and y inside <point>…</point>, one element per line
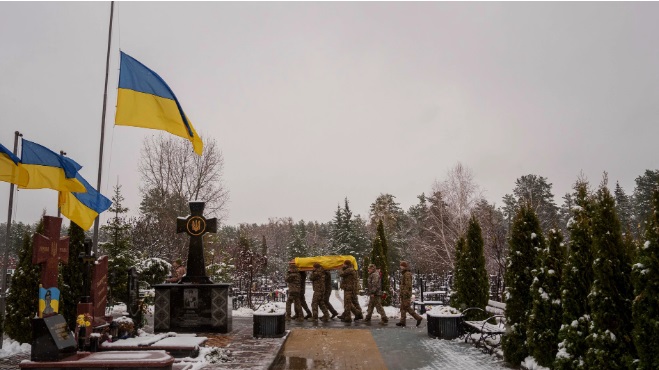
<point>367,319</point>
<point>324,318</point>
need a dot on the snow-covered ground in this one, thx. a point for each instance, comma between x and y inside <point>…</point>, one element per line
<point>336,299</point>
<point>11,347</point>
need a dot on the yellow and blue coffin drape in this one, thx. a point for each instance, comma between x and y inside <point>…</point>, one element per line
<point>11,169</point>
<point>83,208</point>
<point>145,100</point>
<point>327,262</point>
<point>49,170</point>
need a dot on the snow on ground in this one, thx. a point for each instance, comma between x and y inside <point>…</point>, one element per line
<point>11,347</point>
<point>530,364</point>
<point>336,300</point>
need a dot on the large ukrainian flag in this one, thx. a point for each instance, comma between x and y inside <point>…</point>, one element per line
<point>49,170</point>
<point>145,100</point>
<point>11,169</point>
<point>83,208</point>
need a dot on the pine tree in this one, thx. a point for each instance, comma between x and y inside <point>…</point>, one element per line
<point>72,275</point>
<point>473,282</point>
<point>23,297</point>
<point>526,241</point>
<point>458,273</point>
<point>642,198</point>
<point>121,255</point>
<point>576,283</point>
<point>379,259</point>
<point>611,295</point>
<point>545,319</point>
<point>646,304</point>
<point>624,209</point>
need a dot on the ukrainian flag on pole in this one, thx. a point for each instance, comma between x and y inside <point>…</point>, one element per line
<point>82,208</point>
<point>11,169</point>
<point>145,100</point>
<point>49,170</point>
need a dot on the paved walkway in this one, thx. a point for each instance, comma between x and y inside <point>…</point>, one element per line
<point>399,348</point>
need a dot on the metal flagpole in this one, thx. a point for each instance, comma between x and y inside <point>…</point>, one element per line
<point>59,209</point>
<point>5,257</point>
<point>105,99</point>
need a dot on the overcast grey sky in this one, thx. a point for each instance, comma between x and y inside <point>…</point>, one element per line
<point>314,102</point>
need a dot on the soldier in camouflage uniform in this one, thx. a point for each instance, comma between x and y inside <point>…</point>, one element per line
<point>293,280</point>
<point>348,277</point>
<point>375,294</point>
<point>327,293</point>
<point>406,295</point>
<point>303,300</point>
<point>318,280</point>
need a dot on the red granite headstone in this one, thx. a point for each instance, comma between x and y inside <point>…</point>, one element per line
<point>50,249</point>
<point>99,289</point>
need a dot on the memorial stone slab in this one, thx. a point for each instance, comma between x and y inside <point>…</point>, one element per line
<point>51,339</point>
<point>99,291</point>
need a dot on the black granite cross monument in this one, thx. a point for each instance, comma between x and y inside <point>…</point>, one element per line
<point>196,225</point>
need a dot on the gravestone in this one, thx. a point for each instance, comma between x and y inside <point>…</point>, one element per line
<point>51,339</point>
<point>85,305</point>
<point>195,304</point>
<point>133,292</point>
<point>196,225</point>
<point>99,291</point>
<point>49,250</point>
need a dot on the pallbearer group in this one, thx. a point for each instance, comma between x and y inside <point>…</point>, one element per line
<point>322,289</point>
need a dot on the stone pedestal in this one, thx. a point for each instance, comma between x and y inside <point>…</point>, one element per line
<point>192,308</point>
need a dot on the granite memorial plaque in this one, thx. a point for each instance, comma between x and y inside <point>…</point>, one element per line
<point>51,339</point>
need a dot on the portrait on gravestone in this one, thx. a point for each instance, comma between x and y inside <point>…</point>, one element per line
<point>190,298</point>
<point>48,301</point>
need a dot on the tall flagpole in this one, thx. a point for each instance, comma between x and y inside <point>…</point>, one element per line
<point>105,100</point>
<point>5,257</point>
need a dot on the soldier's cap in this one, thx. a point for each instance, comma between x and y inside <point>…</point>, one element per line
<point>404,264</point>
<point>316,265</point>
<point>347,263</point>
<point>371,266</point>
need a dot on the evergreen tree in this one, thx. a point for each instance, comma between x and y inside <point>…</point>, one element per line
<point>545,319</point>
<point>576,283</point>
<point>642,198</point>
<point>121,255</point>
<point>297,246</point>
<point>473,283</point>
<point>23,297</point>
<point>457,300</point>
<point>624,209</point>
<point>379,259</point>
<point>526,241</point>
<point>72,275</point>
<point>646,304</point>
<point>535,192</point>
<point>611,295</point>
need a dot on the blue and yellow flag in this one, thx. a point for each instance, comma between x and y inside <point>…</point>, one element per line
<point>145,100</point>
<point>11,169</point>
<point>48,301</point>
<point>82,208</point>
<point>49,170</point>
